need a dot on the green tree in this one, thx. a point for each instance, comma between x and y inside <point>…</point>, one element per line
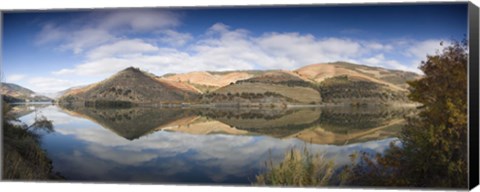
<point>433,151</point>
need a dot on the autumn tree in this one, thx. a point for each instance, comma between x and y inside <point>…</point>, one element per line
<point>436,140</point>
<point>433,150</point>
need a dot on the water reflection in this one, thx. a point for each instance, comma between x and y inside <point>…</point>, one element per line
<point>334,125</point>
<point>133,123</point>
<point>19,110</point>
<point>227,146</point>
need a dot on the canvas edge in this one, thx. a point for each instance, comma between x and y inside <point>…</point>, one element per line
<point>473,69</point>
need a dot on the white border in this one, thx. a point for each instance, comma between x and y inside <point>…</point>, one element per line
<point>76,4</point>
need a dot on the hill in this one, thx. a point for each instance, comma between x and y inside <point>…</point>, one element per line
<point>353,84</point>
<point>129,86</point>
<point>337,83</point>
<point>353,91</point>
<point>273,88</point>
<point>208,81</point>
<point>394,79</point>
<point>70,90</point>
<point>16,93</point>
<point>277,77</point>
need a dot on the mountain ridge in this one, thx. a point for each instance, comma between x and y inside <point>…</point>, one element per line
<point>334,83</point>
<point>130,85</point>
<point>15,93</point>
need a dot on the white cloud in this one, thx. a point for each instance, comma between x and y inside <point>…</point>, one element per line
<point>85,39</point>
<point>50,33</point>
<point>423,48</point>
<point>219,156</point>
<point>418,51</point>
<point>175,38</point>
<point>75,40</point>
<point>103,67</point>
<point>218,28</point>
<point>134,157</point>
<point>47,84</point>
<point>98,28</point>
<point>297,50</point>
<point>121,48</point>
<point>139,20</point>
<point>375,60</point>
<point>15,77</point>
<point>163,58</point>
<point>222,47</point>
<point>379,60</point>
<point>379,46</point>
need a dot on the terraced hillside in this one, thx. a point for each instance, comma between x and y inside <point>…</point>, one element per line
<point>337,83</point>
<point>394,79</point>
<point>130,86</point>
<point>354,91</point>
<point>276,87</point>
<point>208,81</point>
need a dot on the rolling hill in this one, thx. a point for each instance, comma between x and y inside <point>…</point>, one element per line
<point>16,93</point>
<point>129,86</point>
<point>208,81</point>
<point>353,84</point>
<point>271,88</point>
<point>394,79</point>
<point>337,83</point>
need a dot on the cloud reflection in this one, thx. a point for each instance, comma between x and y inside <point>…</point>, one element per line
<point>95,153</point>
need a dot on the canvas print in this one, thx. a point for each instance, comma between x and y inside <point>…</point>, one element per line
<point>308,96</point>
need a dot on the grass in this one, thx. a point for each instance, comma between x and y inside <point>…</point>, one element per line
<point>298,168</point>
<point>23,158</point>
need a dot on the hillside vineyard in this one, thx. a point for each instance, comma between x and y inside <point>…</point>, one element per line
<point>336,83</point>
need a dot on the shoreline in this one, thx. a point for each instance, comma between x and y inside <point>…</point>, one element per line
<point>248,105</point>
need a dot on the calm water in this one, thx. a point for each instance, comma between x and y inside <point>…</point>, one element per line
<point>224,146</point>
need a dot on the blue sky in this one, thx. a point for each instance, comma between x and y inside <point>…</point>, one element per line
<point>53,50</point>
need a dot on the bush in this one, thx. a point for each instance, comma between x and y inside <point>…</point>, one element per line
<point>23,158</point>
<point>109,104</point>
<point>434,143</point>
<point>298,168</point>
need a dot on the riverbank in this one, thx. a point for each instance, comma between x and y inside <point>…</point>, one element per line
<point>245,105</point>
<point>23,158</point>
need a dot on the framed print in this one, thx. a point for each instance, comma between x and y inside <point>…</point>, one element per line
<point>377,95</point>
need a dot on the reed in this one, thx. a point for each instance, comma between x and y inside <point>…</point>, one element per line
<point>298,168</point>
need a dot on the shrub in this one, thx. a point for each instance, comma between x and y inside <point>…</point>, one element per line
<point>434,142</point>
<point>298,168</point>
<point>23,158</point>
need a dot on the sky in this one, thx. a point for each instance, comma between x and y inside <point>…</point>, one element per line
<point>50,51</point>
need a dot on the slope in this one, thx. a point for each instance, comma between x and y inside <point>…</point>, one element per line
<point>132,86</point>
<point>208,81</point>
<point>16,93</point>
<point>273,87</point>
<point>394,79</point>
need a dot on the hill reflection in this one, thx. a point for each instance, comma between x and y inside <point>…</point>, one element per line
<point>315,125</point>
